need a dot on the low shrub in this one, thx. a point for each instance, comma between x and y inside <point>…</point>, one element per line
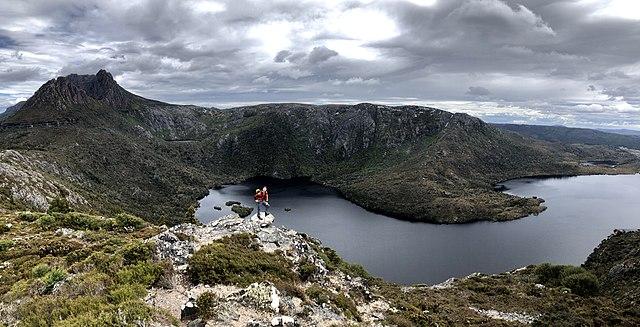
<point>126,292</point>
<point>5,245</point>
<point>101,262</point>
<point>124,220</point>
<point>334,262</point>
<point>47,222</point>
<point>28,216</point>
<point>83,221</point>
<point>144,273</point>
<point>307,270</point>
<point>235,260</point>
<point>578,279</point>
<point>318,294</point>
<point>137,251</point>
<point>340,301</point>
<point>51,278</point>
<point>40,270</point>
<point>91,311</point>
<point>583,284</point>
<point>207,304</point>
<point>59,204</point>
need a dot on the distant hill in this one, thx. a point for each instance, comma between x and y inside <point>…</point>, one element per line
<point>11,110</point>
<point>574,135</point>
<point>620,131</point>
<point>105,148</point>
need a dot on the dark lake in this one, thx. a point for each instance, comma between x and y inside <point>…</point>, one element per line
<point>581,212</point>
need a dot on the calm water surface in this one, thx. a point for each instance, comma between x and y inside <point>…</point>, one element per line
<point>581,212</point>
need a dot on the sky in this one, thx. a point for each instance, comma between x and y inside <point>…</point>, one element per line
<point>572,62</point>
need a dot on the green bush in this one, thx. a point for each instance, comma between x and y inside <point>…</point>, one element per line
<point>306,270</point>
<point>207,304</point>
<point>89,311</point>
<point>235,260</point>
<point>127,292</point>
<point>318,294</point>
<point>578,279</point>
<point>51,278</point>
<point>124,220</point>
<point>583,284</point>
<point>59,204</point>
<point>83,221</point>
<point>144,273</point>
<point>47,221</point>
<point>137,251</point>
<point>334,262</point>
<point>5,245</point>
<point>346,305</point>
<point>40,270</point>
<point>340,301</point>
<point>100,261</point>
<point>78,255</point>
<point>28,216</point>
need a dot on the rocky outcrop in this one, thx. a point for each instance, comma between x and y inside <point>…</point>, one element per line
<point>616,262</point>
<point>26,181</point>
<point>262,303</point>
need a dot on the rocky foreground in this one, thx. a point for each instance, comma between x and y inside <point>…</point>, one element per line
<point>262,303</point>
<point>74,269</point>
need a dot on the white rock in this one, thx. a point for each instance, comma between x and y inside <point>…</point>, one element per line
<point>275,300</point>
<point>282,321</point>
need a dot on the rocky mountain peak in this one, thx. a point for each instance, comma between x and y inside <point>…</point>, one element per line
<point>58,93</point>
<point>53,101</point>
<point>102,87</point>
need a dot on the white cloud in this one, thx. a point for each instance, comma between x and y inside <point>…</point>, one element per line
<point>573,62</point>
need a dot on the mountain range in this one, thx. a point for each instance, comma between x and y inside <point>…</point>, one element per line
<point>105,149</point>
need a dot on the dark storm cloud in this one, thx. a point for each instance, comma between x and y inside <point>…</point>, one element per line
<point>529,61</point>
<point>7,42</point>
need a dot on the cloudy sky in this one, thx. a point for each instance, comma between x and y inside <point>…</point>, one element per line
<point>572,62</point>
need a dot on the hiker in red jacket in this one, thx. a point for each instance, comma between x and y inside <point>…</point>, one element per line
<point>265,200</point>
<point>258,198</point>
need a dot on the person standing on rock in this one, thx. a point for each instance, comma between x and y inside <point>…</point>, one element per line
<point>258,198</point>
<point>265,200</point>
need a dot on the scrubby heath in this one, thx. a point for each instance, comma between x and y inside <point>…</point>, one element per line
<point>76,269</point>
<point>85,138</point>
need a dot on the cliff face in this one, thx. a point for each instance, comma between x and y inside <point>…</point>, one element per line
<point>157,159</point>
<point>616,262</point>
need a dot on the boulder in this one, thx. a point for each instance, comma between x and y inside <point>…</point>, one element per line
<point>263,220</point>
<point>217,208</point>
<point>169,246</point>
<point>283,321</point>
<point>261,295</point>
<point>232,203</point>
<point>189,310</point>
<point>242,211</point>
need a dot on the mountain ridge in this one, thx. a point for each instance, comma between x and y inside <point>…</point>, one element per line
<point>410,162</point>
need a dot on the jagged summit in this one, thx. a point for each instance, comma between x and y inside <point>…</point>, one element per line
<point>76,89</point>
<point>59,98</point>
<point>101,86</point>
